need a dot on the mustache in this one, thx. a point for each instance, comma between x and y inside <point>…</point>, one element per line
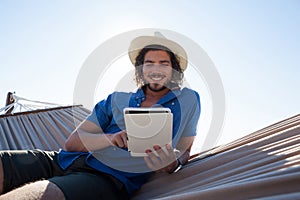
<point>156,75</point>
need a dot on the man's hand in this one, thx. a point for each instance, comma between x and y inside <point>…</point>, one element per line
<point>119,139</point>
<point>164,162</point>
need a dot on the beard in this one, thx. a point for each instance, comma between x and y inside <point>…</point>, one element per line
<point>156,87</point>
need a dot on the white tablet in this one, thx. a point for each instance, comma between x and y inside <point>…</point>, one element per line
<point>147,127</point>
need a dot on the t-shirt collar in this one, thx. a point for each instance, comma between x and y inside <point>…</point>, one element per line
<point>140,96</point>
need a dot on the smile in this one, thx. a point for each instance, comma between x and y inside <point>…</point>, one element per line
<point>156,77</point>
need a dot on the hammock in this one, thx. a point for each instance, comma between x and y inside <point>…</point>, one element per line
<point>264,164</point>
<point>46,129</point>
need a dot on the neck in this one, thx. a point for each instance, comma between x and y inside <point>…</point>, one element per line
<point>155,93</point>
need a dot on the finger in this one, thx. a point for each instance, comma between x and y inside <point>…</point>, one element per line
<point>119,141</point>
<point>161,153</point>
<point>170,151</point>
<point>149,163</point>
<point>168,157</point>
<point>157,163</point>
<point>124,138</point>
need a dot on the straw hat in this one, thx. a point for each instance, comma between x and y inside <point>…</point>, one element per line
<point>139,43</point>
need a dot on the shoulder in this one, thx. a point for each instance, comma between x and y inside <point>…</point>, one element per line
<point>116,101</point>
<point>119,96</point>
<point>189,93</point>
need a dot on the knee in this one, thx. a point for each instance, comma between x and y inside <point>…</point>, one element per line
<point>40,190</point>
<point>52,191</point>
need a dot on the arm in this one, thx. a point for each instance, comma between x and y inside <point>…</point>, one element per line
<point>89,137</point>
<point>184,146</point>
<point>168,162</point>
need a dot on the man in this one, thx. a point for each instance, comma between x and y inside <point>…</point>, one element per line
<point>95,163</point>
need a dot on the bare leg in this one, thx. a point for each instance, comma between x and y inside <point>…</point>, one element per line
<point>1,177</point>
<point>40,190</point>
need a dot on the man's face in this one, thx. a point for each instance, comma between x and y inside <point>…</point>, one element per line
<point>157,69</point>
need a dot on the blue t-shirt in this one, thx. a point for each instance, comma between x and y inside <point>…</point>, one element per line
<point>108,114</point>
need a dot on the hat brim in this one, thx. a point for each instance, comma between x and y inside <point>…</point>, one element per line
<point>140,42</point>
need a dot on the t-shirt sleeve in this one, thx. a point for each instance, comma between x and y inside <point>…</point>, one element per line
<point>92,117</point>
<point>193,116</point>
<point>101,114</point>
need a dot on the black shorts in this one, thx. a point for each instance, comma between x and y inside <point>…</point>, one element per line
<point>79,181</point>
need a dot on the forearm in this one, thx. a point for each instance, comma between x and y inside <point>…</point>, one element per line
<point>182,154</point>
<point>184,158</point>
<point>84,141</point>
<point>184,147</point>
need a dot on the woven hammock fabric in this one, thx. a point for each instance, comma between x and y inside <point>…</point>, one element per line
<point>262,165</point>
<point>44,129</point>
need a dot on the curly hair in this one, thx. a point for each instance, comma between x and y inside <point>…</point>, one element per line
<point>177,74</point>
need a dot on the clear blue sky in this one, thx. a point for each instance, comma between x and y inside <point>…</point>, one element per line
<point>254,45</point>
